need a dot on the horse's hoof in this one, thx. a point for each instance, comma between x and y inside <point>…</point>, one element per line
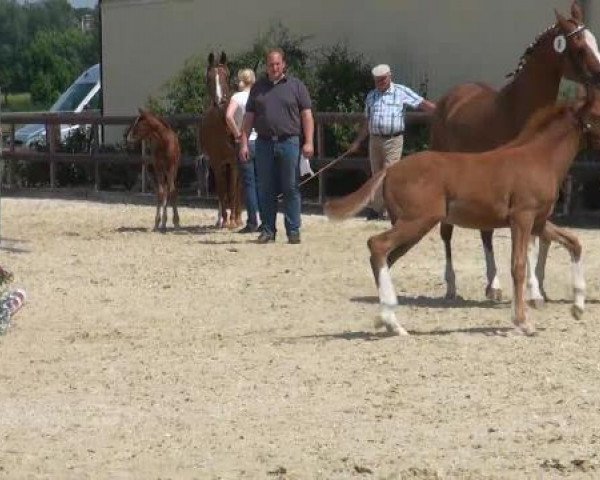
<point>396,329</point>
<point>387,319</point>
<point>450,296</point>
<point>577,312</point>
<point>493,294</point>
<point>546,298</point>
<point>536,303</point>
<point>525,329</point>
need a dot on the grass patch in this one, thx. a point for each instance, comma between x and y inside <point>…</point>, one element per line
<point>21,102</point>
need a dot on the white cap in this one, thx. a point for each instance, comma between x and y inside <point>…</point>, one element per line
<point>381,70</point>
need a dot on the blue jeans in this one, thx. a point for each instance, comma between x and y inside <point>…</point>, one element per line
<point>278,171</point>
<point>250,183</point>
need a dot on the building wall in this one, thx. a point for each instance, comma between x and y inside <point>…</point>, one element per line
<point>145,42</point>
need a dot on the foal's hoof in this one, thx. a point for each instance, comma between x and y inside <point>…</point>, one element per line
<point>493,294</point>
<point>396,329</point>
<point>387,319</point>
<point>536,303</point>
<point>577,312</point>
<point>525,329</point>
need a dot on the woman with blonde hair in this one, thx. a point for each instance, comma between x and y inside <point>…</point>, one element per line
<point>234,117</point>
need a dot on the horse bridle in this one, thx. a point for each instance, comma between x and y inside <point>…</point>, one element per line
<point>594,78</point>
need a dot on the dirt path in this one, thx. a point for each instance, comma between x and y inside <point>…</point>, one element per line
<point>198,354</point>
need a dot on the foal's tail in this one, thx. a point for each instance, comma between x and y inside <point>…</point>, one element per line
<point>342,208</point>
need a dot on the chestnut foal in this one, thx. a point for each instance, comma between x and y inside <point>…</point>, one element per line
<point>513,186</point>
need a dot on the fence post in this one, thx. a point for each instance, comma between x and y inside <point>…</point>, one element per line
<point>12,163</point>
<point>94,144</point>
<point>52,129</point>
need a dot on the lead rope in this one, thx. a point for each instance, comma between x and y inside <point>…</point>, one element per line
<point>319,172</point>
<point>326,167</point>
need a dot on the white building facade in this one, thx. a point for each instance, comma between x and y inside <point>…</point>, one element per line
<point>146,42</point>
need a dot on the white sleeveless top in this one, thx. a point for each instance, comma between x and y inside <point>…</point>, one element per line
<point>241,98</point>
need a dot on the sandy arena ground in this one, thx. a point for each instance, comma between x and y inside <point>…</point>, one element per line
<point>199,354</point>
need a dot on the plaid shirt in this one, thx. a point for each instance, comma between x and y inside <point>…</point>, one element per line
<point>385,111</point>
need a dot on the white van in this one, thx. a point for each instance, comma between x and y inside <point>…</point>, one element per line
<point>83,94</point>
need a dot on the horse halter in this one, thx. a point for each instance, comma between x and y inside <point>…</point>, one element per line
<point>586,79</point>
<point>580,28</point>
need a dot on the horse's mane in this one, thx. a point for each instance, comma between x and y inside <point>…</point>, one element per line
<point>164,122</point>
<point>539,120</point>
<point>527,52</point>
<point>158,120</point>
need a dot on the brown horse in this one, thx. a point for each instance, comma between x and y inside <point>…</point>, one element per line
<point>166,153</point>
<point>473,117</point>
<point>218,144</point>
<point>513,186</point>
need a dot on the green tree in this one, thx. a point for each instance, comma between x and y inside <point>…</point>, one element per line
<point>47,32</point>
<point>54,59</point>
<point>50,15</point>
<point>13,39</point>
<point>297,53</point>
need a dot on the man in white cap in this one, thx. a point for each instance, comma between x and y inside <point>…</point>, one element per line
<point>384,124</point>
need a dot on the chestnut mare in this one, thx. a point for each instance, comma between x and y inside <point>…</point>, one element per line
<point>513,186</point>
<point>474,117</point>
<point>217,143</point>
<point>166,153</point>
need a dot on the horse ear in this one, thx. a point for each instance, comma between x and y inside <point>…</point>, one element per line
<point>141,111</point>
<point>223,60</point>
<point>563,23</point>
<point>211,59</point>
<point>576,11</point>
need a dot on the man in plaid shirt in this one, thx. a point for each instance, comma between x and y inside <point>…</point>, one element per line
<point>384,124</point>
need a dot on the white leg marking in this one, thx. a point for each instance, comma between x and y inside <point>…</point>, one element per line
<point>491,271</point>
<point>533,293</point>
<point>578,285</point>
<point>388,300</point>
<point>387,295</point>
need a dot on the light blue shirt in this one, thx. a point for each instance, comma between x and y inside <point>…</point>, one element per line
<point>385,110</point>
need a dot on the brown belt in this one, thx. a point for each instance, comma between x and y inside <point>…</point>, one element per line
<point>391,135</point>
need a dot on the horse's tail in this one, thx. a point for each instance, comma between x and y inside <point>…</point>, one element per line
<point>342,208</point>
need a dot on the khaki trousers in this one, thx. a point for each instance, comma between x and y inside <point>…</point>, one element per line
<point>383,152</point>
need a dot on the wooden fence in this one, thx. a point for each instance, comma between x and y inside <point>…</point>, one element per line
<point>95,156</point>
<point>587,164</point>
